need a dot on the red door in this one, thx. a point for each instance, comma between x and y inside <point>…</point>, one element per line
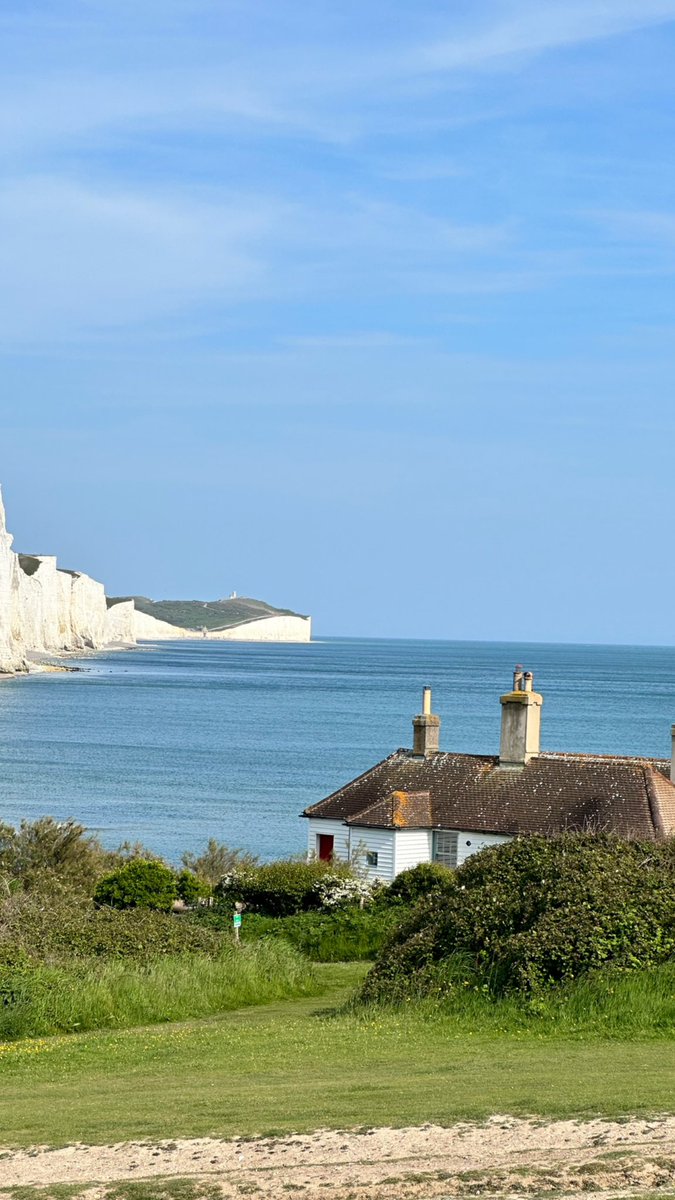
<point>326,842</point>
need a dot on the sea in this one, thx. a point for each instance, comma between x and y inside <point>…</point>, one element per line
<point>173,743</point>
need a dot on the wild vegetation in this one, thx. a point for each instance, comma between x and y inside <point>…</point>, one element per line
<point>532,915</point>
<point>38,999</point>
<point>88,938</point>
<point>570,936</point>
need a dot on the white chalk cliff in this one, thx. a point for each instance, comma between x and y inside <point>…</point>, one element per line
<point>44,610</point>
<point>283,628</point>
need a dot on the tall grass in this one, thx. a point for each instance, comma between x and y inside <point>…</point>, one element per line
<point>606,1004</point>
<point>98,994</point>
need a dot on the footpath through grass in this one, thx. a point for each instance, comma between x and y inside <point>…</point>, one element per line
<point>290,1067</point>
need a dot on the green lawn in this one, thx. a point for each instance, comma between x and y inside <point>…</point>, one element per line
<point>287,1066</point>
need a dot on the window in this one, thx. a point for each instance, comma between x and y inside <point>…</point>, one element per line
<point>445,848</point>
<point>371,858</point>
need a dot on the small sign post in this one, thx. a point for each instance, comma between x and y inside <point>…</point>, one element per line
<point>236,920</point>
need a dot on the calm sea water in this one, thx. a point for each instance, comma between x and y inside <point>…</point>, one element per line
<point>174,743</point>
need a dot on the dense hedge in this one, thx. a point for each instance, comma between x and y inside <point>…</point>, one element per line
<point>535,912</point>
<point>282,888</point>
<point>53,927</point>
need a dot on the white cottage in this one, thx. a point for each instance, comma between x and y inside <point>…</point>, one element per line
<point>425,805</point>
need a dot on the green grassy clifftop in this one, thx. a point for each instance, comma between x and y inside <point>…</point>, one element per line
<point>206,614</point>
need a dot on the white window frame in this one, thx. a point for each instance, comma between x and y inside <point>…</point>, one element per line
<point>444,847</point>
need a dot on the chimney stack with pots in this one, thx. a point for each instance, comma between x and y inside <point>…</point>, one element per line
<point>426,728</point>
<point>521,721</point>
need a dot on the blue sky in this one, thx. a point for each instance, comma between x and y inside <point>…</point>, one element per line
<point>365,309</point>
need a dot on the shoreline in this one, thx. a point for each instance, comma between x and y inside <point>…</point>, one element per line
<point>54,664</point>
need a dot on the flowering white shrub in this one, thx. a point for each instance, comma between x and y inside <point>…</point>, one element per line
<point>234,878</point>
<point>339,891</point>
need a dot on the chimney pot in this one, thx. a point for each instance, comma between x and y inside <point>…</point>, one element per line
<point>521,721</point>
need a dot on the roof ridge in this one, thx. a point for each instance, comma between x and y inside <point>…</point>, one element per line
<point>643,759</point>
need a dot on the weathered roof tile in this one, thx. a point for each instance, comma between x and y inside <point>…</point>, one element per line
<point>632,797</point>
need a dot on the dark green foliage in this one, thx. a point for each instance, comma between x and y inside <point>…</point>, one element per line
<point>279,889</point>
<point>347,935</point>
<point>191,888</point>
<point>413,885</point>
<point>534,913</point>
<point>62,926</point>
<point>217,860</point>
<point>140,883</point>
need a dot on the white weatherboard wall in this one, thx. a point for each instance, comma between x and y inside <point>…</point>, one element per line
<point>374,841</point>
<point>397,849</point>
<point>338,830</point>
<point>413,846</point>
<point>471,843</point>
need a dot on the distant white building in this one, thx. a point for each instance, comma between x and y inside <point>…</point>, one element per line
<point>426,805</point>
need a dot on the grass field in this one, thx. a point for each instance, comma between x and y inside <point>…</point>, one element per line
<point>291,1066</point>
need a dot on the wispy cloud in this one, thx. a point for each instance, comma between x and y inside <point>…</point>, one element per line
<point>531,29</point>
<point>639,226</point>
<point>74,258</point>
<point>77,259</point>
<point>328,83</point>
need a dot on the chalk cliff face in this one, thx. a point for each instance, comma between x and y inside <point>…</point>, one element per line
<point>45,610</point>
<point>285,628</point>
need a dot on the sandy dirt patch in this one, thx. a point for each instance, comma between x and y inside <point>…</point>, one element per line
<point>503,1156</point>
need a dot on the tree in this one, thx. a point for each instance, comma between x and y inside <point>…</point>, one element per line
<point>60,850</point>
<point>217,860</point>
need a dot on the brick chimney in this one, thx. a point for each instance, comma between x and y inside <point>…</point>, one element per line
<point>672,754</point>
<point>521,721</point>
<point>426,728</point>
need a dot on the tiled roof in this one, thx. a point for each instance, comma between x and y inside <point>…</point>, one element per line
<point>632,797</point>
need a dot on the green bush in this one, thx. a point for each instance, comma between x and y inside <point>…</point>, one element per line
<point>191,888</point>
<point>140,883</point>
<point>413,885</point>
<point>279,889</point>
<point>537,912</point>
